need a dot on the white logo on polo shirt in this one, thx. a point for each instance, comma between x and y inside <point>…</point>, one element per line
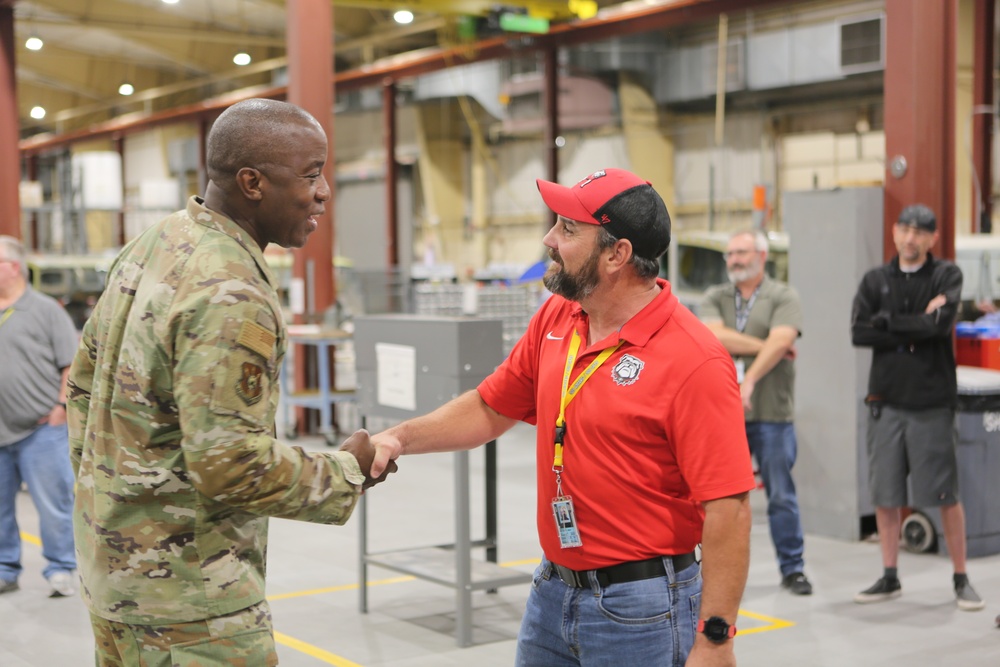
<point>627,370</point>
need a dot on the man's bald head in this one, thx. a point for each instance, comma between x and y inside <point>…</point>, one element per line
<point>248,134</point>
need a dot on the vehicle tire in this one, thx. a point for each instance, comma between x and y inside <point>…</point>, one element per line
<point>919,536</point>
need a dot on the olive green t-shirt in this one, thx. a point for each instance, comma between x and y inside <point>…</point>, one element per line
<point>776,304</point>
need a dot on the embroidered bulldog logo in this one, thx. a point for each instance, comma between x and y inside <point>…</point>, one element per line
<point>627,370</point>
<point>250,385</point>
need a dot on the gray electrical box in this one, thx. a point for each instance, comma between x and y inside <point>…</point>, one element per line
<point>409,365</point>
<point>835,236</point>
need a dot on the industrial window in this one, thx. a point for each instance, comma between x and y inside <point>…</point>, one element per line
<point>861,45</point>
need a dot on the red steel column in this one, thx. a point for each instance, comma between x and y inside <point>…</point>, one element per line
<point>982,119</point>
<point>551,101</point>
<point>310,86</point>
<point>10,157</point>
<point>119,143</point>
<point>32,168</point>
<point>391,173</point>
<point>309,36</point>
<point>204,125</point>
<point>920,114</point>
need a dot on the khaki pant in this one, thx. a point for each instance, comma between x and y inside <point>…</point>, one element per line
<point>241,639</point>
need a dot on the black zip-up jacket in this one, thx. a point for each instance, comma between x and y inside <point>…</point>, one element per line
<point>913,361</point>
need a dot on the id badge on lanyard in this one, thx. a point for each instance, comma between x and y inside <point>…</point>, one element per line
<point>569,534</point>
<point>741,368</point>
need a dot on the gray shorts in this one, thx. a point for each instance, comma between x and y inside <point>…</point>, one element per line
<point>918,443</point>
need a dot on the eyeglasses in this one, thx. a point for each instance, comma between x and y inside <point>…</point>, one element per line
<point>737,253</point>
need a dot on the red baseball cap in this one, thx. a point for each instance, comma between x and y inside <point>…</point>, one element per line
<point>618,200</point>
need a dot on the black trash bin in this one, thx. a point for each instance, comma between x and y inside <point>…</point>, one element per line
<point>978,424</point>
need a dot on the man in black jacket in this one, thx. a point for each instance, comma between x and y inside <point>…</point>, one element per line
<point>905,311</point>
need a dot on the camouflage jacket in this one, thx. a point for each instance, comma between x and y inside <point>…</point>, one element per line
<point>172,397</point>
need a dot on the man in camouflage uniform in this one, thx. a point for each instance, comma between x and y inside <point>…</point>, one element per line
<point>172,399</point>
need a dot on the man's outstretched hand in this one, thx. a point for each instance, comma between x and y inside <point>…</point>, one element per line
<point>361,447</point>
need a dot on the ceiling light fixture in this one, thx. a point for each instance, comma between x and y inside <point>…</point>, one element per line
<point>242,58</point>
<point>403,16</point>
<point>170,2</point>
<point>34,43</point>
<point>37,113</point>
<point>126,89</point>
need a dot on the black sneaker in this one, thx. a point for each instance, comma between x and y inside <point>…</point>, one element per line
<point>967,598</point>
<point>797,583</point>
<point>883,589</point>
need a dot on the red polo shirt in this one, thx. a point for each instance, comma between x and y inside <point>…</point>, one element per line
<point>656,429</point>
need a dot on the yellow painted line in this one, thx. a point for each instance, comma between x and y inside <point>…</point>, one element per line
<point>335,589</point>
<point>331,658</point>
<point>772,623</point>
<point>525,561</point>
<point>313,651</point>
<point>379,582</point>
<point>28,537</point>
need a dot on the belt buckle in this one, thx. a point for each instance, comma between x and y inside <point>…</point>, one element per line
<point>571,577</point>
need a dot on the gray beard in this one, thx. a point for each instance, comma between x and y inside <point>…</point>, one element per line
<point>739,276</point>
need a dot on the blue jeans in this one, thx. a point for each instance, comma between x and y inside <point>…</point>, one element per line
<point>639,624</point>
<point>774,447</point>
<point>42,461</point>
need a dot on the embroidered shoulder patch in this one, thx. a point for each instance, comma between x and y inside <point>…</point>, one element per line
<point>627,370</point>
<point>255,337</point>
<point>250,386</point>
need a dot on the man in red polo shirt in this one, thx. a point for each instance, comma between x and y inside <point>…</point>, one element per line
<point>641,451</point>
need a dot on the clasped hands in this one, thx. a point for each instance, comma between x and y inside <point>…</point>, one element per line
<point>376,463</point>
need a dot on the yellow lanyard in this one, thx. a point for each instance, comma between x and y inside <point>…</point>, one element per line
<point>570,391</point>
<point>10,311</point>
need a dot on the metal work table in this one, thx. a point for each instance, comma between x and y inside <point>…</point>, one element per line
<point>449,564</point>
<point>324,396</point>
<point>407,366</point>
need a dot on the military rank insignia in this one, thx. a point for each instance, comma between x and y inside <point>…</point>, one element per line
<point>250,385</point>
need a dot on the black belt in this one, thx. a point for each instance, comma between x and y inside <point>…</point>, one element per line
<point>623,572</point>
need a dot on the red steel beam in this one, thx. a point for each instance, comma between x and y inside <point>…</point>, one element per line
<point>391,173</point>
<point>645,19</point>
<point>982,119</point>
<point>10,161</point>
<point>919,99</point>
<point>551,101</point>
<point>310,67</point>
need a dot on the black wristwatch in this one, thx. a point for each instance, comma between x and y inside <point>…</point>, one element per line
<point>716,629</point>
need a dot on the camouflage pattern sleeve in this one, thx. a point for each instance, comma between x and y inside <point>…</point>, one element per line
<point>228,347</point>
<point>78,391</point>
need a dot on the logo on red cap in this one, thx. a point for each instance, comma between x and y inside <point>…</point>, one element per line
<point>590,179</point>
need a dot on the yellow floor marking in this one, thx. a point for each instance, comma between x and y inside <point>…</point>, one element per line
<point>313,651</point>
<point>772,623</point>
<point>335,589</point>
<point>332,659</point>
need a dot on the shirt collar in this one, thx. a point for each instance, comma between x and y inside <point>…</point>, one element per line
<point>214,220</point>
<point>647,321</point>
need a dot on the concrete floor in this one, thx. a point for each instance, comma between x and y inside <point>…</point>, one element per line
<point>313,575</point>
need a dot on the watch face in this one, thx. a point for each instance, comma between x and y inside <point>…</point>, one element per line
<point>716,629</point>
